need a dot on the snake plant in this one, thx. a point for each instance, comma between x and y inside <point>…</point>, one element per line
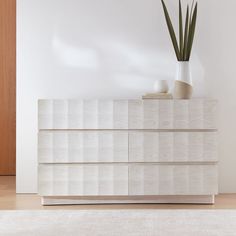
<point>182,48</point>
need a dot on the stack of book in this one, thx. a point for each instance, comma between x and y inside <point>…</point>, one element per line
<point>157,96</point>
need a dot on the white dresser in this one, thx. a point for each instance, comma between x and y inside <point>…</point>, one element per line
<point>127,151</point>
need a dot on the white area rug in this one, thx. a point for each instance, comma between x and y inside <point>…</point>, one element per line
<point>119,223</point>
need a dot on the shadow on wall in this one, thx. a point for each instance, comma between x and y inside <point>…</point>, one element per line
<point>127,66</point>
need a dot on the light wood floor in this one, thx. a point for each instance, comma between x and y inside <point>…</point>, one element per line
<point>9,200</point>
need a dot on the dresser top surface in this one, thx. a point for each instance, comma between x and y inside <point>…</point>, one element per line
<point>138,100</point>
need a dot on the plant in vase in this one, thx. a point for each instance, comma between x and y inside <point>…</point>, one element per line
<point>183,48</point>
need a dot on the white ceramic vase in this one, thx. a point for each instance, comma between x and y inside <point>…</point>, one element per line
<point>184,72</point>
<point>161,86</point>
<point>183,82</point>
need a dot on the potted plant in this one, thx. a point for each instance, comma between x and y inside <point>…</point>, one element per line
<point>183,48</point>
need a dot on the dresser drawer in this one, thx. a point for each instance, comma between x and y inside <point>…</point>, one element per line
<point>83,114</point>
<point>172,146</point>
<point>123,180</point>
<point>127,114</point>
<point>172,114</point>
<point>82,146</point>
<point>82,180</point>
<point>172,179</point>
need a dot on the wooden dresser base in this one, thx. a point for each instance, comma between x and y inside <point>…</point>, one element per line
<point>175,199</point>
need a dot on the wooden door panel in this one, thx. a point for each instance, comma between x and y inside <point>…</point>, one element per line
<point>7,87</point>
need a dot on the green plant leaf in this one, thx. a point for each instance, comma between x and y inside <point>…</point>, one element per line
<point>186,34</point>
<point>191,12</point>
<point>192,31</point>
<point>171,31</point>
<point>181,46</point>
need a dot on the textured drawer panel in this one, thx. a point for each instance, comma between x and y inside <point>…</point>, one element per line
<point>172,146</point>
<point>127,114</point>
<point>83,114</point>
<point>172,179</point>
<point>82,180</point>
<point>172,114</point>
<point>82,146</point>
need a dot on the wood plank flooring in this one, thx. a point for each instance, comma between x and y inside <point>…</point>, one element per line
<point>9,200</point>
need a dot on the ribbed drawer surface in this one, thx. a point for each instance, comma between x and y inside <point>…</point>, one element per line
<point>82,180</point>
<point>126,179</point>
<point>127,114</point>
<point>82,146</point>
<point>172,114</point>
<point>172,146</point>
<point>172,179</point>
<point>83,114</point>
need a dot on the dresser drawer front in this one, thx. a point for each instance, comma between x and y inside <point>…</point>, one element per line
<point>82,146</point>
<point>127,114</point>
<point>83,114</point>
<point>82,180</point>
<point>172,114</point>
<point>172,179</point>
<point>172,146</point>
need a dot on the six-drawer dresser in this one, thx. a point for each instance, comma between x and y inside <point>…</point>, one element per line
<point>127,151</point>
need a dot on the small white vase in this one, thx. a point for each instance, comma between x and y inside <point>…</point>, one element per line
<point>161,86</point>
<point>183,72</point>
<point>183,82</point>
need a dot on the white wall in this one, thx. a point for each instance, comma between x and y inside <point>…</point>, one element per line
<point>116,49</point>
